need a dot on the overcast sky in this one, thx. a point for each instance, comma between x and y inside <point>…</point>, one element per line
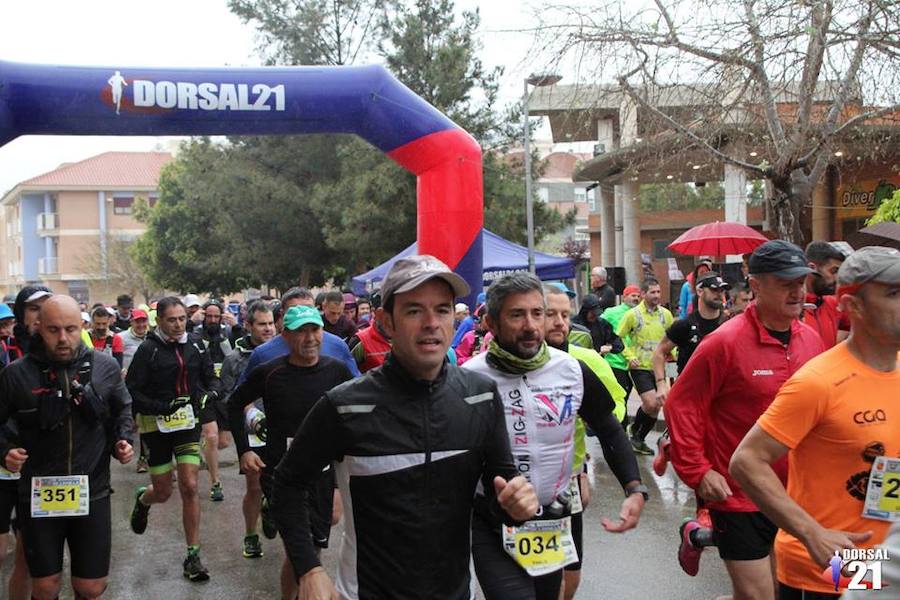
<point>170,33</point>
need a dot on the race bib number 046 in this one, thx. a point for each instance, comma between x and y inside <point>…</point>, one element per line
<point>181,419</point>
<point>541,547</point>
<point>883,493</point>
<point>62,496</point>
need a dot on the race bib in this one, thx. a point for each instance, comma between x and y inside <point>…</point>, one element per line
<point>575,504</point>
<point>6,475</point>
<point>217,367</point>
<point>883,493</point>
<point>541,547</point>
<point>181,419</point>
<point>61,496</point>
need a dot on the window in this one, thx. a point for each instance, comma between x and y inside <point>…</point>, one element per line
<point>543,194</point>
<point>580,195</point>
<point>661,249</point>
<point>123,205</point>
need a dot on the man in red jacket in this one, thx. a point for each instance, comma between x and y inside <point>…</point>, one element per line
<point>821,310</point>
<point>729,382</point>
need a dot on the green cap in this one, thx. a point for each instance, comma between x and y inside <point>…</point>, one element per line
<point>298,316</point>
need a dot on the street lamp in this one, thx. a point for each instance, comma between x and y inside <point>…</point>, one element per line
<point>536,81</point>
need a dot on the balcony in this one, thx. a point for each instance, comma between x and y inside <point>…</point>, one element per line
<point>48,265</point>
<point>46,222</point>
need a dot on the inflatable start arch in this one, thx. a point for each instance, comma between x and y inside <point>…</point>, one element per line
<point>367,101</point>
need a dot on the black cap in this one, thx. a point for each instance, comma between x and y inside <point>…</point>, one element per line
<point>780,258</point>
<point>590,302</point>
<point>712,280</point>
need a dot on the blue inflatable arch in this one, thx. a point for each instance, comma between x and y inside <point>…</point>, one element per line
<point>367,101</point>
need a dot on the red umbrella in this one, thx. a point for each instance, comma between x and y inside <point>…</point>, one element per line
<point>718,239</point>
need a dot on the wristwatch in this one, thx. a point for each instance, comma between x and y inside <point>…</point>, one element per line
<point>638,489</point>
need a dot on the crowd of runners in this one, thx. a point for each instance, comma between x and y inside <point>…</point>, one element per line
<point>446,436</point>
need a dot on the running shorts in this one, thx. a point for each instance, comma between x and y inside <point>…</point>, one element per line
<point>9,490</point>
<point>786,592</point>
<point>184,446</point>
<point>499,575</point>
<point>89,539</point>
<point>743,535</point>
<point>319,503</point>
<point>577,534</point>
<point>644,381</point>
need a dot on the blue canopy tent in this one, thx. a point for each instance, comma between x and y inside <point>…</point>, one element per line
<point>500,258</point>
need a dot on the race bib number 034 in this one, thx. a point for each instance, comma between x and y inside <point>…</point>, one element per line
<point>883,493</point>
<point>62,496</point>
<point>541,547</point>
<point>181,419</point>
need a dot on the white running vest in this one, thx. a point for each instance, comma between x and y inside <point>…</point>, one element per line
<point>540,409</point>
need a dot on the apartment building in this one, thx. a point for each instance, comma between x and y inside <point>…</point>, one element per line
<point>61,227</point>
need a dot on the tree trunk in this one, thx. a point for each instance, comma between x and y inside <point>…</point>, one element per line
<point>791,193</point>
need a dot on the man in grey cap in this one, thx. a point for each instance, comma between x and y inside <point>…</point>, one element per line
<point>409,442</point>
<point>838,421</point>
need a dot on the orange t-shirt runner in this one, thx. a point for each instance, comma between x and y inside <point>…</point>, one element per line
<point>836,414</point>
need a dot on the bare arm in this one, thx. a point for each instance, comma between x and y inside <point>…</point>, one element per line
<point>751,466</point>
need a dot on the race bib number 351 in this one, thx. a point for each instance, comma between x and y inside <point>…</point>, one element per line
<point>62,496</point>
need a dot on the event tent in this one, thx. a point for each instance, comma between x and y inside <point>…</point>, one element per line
<point>500,258</point>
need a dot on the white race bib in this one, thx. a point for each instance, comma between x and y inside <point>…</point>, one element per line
<point>575,504</point>
<point>541,547</point>
<point>60,496</point>
<point>883,494</point>
<point>181,419</point>
<point>6,475</point>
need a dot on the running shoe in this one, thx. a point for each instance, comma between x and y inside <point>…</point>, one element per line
<point>661,462</point>
<point>268,523</point>
<point>252,547</point>
<point>139,512</point>
<point>215,492</point>
<point>194,569</point>
<point>640,447</point>
<point>142,466</point>
<point>688,554</point>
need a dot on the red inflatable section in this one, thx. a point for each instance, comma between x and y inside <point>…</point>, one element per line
<point>450,193</point>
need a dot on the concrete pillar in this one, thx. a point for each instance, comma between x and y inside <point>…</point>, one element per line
<point>628,118</point>
<point>735,200</point>
<point>821,210</point>
<point>620,245</point>
<point>607,225</point>
<point>631,231</point>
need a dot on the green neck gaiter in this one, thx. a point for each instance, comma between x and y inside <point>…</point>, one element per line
<point>511,364</point>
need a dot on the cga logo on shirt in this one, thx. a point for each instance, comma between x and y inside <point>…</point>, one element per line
<point>868,417</point>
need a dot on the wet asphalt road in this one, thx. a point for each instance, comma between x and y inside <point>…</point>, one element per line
<point>640,564</point>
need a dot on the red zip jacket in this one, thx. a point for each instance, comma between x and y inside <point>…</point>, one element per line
<point>727,384</point>
<point>826,318</point>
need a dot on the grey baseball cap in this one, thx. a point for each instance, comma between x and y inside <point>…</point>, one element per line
<point>410,272</point>
<point>872,263</point>
<point>780,258</point>
<point>711,279</point>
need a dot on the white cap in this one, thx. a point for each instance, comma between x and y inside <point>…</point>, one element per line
<point>462,306</point>
<point>85,317</point>
<point>191,300</point>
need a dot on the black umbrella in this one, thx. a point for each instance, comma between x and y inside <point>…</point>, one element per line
<point>886,233</point>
